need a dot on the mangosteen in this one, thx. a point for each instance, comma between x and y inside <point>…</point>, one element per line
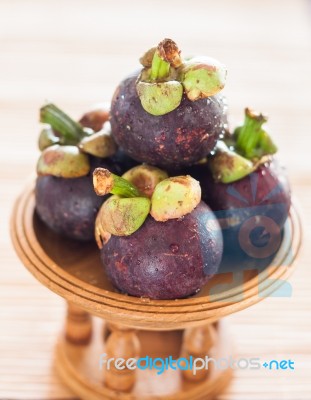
<point>248,189</point>
<point>65,199</point>
<point>170,114</point>
<point>160,241</point>
<point>68,206</point>
<point>96,119</point>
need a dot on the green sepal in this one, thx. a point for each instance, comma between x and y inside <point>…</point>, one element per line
<point>228,166</point>
<point>159,98</point>
<point>63,162</point>
<point>202,77</point>
<point>47,138</point>
<point>123,216</point>
<point>175,197</point>
<point>100,144</point>
<point>145,178</point>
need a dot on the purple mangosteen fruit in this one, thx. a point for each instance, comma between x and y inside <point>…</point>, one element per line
<point>248,189</point>
<point>68,206</point>
<point>170,113</point>
<point>65,199</point>
<point>157,239</point>
<point>95,119</point>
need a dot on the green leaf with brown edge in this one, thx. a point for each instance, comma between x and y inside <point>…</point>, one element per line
<point>63,162</point>
<point>47,138</point>
<point>159,98</point>
<point>145,178</point>
<point>99,144</point>
<point>123,216</point>
<point>202,77</point>
<point>147,57</point>
<point>228,166</point>
<point>175,197</point>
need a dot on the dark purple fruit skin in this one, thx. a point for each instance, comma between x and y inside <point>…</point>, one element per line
<point>179,138</point>
<point>166,260</point>
<point>265,192</point>
<point>68,206</point>
<point>270,188</point>
<point>122,162</point>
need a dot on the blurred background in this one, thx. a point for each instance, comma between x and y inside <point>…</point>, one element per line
<point>75,53</point>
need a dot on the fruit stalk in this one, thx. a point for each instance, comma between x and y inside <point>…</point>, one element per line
<point>252,140</point>
<point>70,131</point>
<point>165,56</point>
<point>122,214</point>
<point>106,182</point>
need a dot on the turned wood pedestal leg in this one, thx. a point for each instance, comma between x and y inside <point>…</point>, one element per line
<point>122,343</point>
<point>78,329</point>
<point>86,339</point>
<point>198,342</point>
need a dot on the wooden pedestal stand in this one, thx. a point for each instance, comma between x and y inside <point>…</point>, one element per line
<point>130,327</point>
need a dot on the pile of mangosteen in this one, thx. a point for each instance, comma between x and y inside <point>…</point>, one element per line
<point>159,180</point>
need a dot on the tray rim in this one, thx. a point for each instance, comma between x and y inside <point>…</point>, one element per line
<point>132,310</point>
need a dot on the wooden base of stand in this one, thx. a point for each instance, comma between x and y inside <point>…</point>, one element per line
<point>79,368</point>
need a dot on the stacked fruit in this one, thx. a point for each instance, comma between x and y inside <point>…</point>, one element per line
<point>158,239</point>
<point>65,199</point>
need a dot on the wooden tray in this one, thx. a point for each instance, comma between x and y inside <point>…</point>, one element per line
<point>74,271</point>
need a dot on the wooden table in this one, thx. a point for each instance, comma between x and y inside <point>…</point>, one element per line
<point>74,53</point>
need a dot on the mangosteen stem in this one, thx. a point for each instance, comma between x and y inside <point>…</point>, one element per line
<point>167,55</point>
<point>160,69</point>
<point>106,182</point>
<point>70,131</point>
<point>252,141</point>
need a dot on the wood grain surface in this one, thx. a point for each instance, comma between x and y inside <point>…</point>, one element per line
<point>74,53</point>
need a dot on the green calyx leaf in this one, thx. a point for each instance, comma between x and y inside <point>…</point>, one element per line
<point>147,57</point>
<point>145,178</point>
<point>122,216</point>
<point>252,141</point>
<point>47,138</point>
<point>175,197</point>
<point>166,76</point>
<point>202,77</point>
<point>157,88</point>
<point>99,144</point>
<point>63,162</point>
<point>159,98</point>
<point>227,166</point>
